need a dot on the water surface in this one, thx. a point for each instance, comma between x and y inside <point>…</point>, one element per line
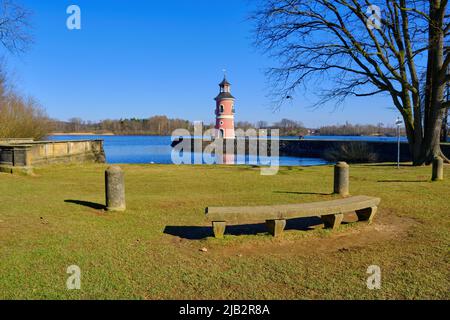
<point>157,149</point>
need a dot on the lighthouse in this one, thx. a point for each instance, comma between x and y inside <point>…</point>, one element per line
<point>225,111</point>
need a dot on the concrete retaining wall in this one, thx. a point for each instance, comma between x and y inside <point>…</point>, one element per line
<point>48,152</point>
<point>385,151</point>
<point>22,156</point>
<point>15,140</point>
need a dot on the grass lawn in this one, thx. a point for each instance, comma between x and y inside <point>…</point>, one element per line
<point>152,251</point>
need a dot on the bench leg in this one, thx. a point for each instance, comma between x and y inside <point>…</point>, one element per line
<point>276,227</point>
<point>366,214</point>
<point>332,221</point>
<point>219,228</point>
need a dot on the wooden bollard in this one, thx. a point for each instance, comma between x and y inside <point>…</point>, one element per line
<point>438,169</point>
<point>115,189</point>
<point>341,178</point>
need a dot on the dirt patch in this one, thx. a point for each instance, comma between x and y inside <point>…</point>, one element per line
<point>387,226</point>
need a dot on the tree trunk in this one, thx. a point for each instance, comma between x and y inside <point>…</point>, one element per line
<point>432,141</point>
<point>444,131</point>
<point>430,145</point>
<point>424,150</point>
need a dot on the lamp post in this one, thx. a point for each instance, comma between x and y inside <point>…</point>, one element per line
<point>398,123</point>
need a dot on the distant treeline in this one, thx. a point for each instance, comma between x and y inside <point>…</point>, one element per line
<point>357,130</point>
<point>162,125</point>
<point>286,127</point>
<point>157,125</point>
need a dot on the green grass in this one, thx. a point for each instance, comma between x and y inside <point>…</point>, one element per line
<point>128,255</point>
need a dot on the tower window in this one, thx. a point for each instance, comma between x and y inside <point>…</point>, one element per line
<point>232,109</point>
<point>221,108</point>
<point>221,123</point>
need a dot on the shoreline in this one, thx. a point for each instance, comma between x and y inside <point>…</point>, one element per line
<point>80,134</point>
<point>161,135</point>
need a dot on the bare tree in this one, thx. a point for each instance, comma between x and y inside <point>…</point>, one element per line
<point>20,117</point>
<point>261,124</point>
<point>351,49</point>
<point>14,26</point>
<point>445,122</point>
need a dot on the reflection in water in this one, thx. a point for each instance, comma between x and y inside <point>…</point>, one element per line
<point>228,159</point>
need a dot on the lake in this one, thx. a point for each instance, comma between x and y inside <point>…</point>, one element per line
<point>157,149</point>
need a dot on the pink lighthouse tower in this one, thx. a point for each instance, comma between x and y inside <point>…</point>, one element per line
<point>225,111</point>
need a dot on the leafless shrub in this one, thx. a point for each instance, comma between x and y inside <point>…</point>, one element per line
<point>352,152</point>
<point>20,117</point>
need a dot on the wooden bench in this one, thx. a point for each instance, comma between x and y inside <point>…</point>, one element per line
<point>331,213</point>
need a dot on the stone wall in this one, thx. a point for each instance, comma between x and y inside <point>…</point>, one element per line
<point>22,156</point>
<point>385,151</point>
<point>15,140</point>
<point>48,152</point>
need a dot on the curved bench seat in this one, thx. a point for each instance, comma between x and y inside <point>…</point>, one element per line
<point>331,213</point>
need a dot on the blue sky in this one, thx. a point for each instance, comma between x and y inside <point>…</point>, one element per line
<point>140,58</point>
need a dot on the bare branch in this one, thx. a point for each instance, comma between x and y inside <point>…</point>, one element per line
<point>14,27</point>
<point>329,45</point>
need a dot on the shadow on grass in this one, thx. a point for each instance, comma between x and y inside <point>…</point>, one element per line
<point>398,180</point>
<point>199,232</point>
<point>393,165</point>
<point>300,192</point>
<point>93,205</point>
